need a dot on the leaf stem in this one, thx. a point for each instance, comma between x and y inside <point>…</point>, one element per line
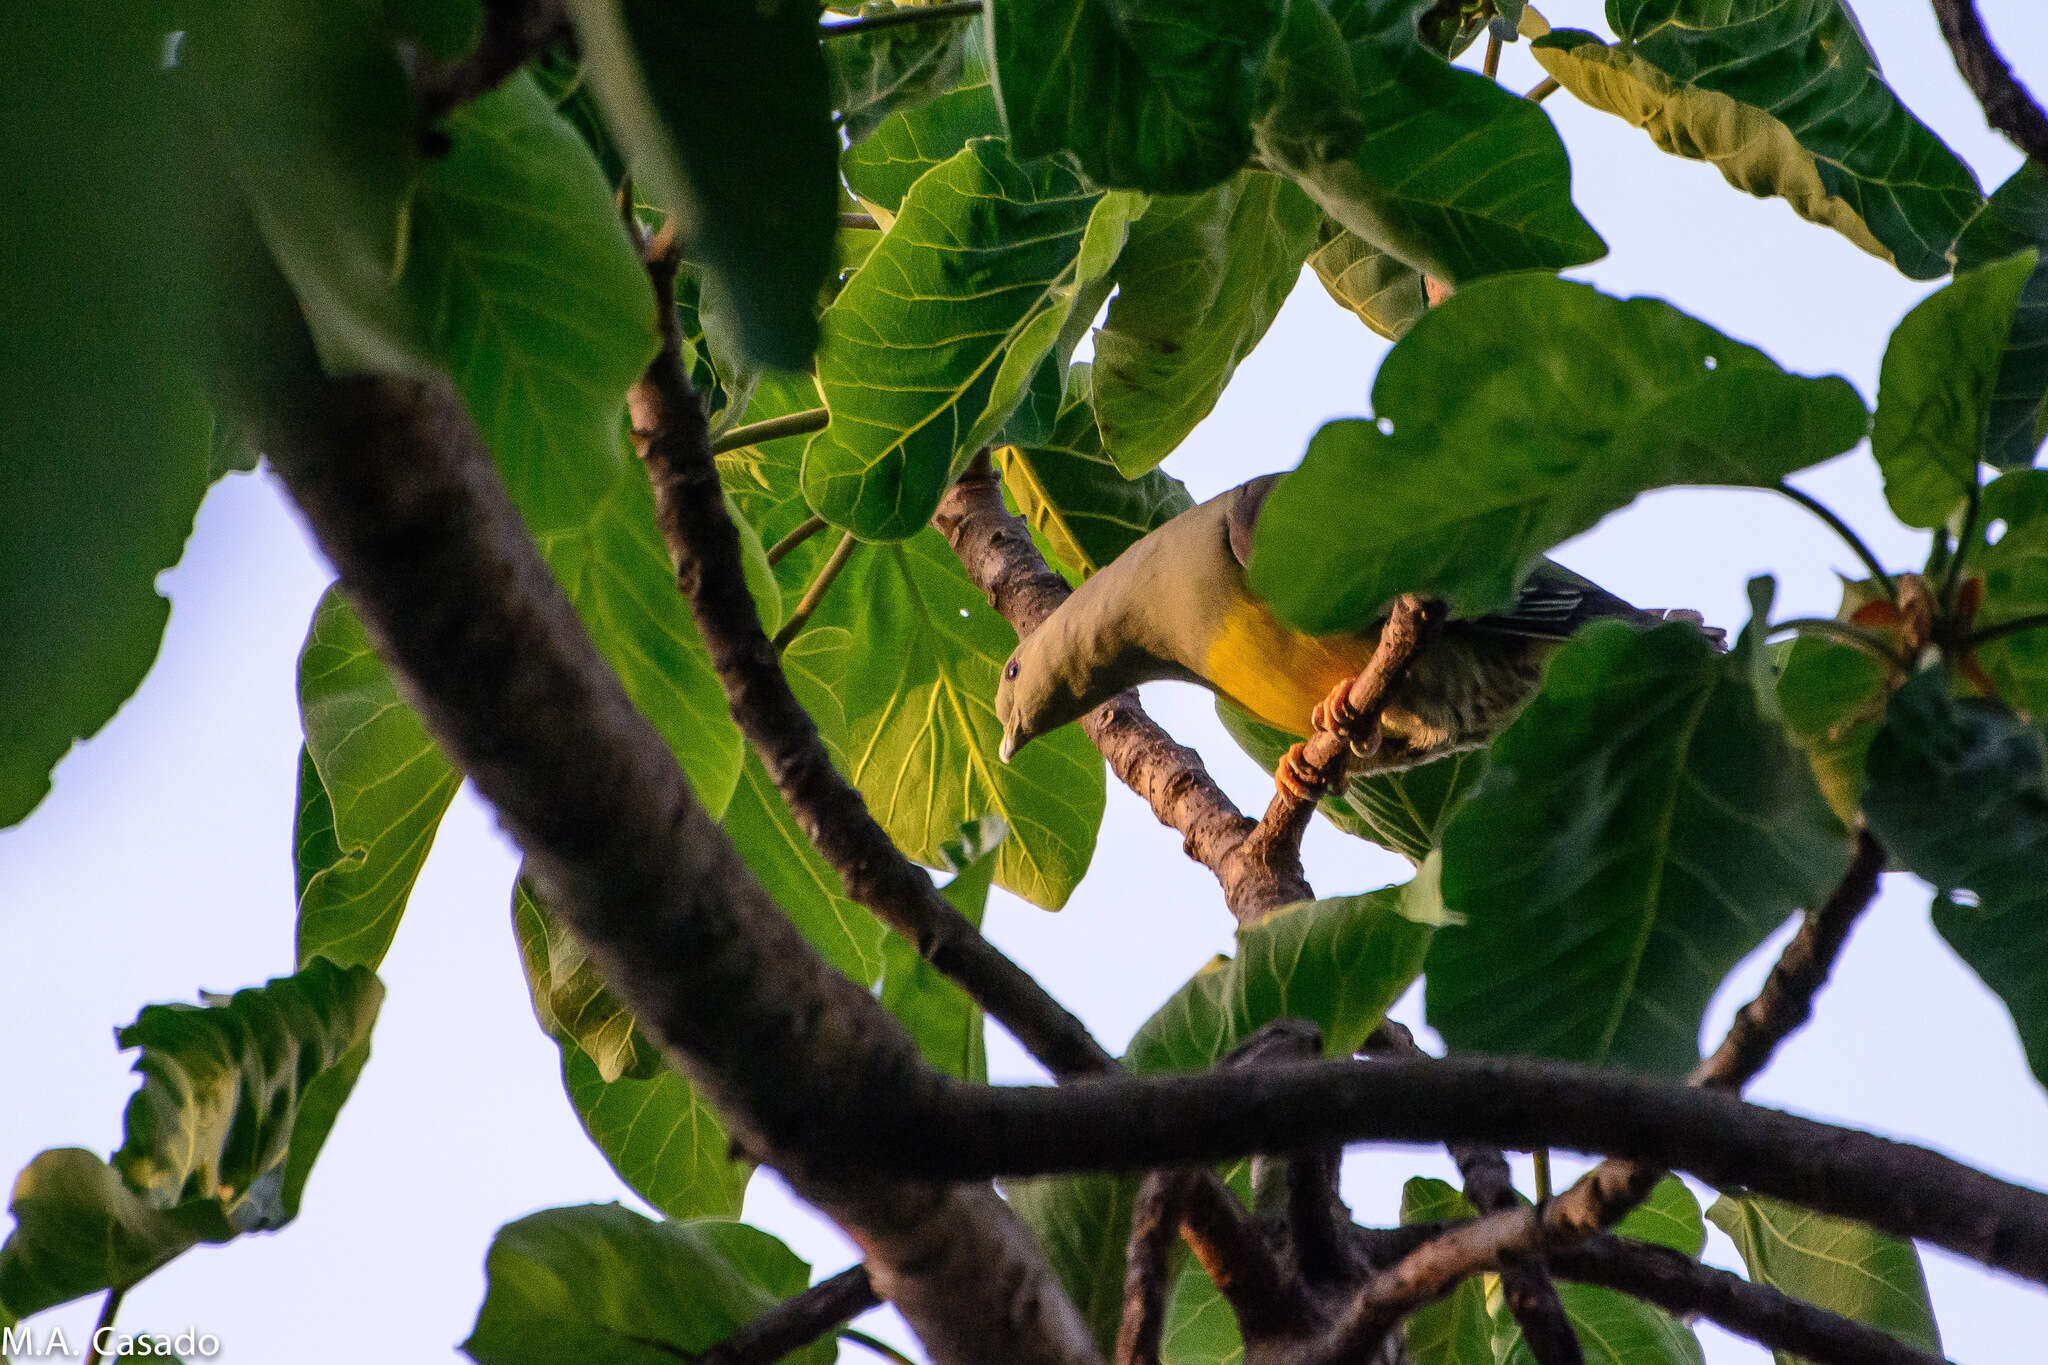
<point>789,424</point>
<point>1985,636</point>
<point>1848,535</point>
<point>107,1311</point>
<point>1542,90</point>
<point>1541,1156</point>
<point>907,14</point>
<point>779,551</point>
<point>880,1348</point>
<point>1952,575</point>
<point>859,220</point>
<point>1491,68</point>
<point>815,594</point>
<point>1842,632</point>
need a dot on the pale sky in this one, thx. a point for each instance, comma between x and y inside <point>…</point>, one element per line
<point>161,862</point>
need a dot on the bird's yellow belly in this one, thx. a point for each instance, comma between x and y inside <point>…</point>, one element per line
<point>1278,674</point>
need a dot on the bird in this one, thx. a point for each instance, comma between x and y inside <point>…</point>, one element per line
<point>1176,605</point>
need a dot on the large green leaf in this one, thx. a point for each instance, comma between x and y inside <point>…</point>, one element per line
<point>799,880</point>
<point>238,1095</point>
<point>1959,794</point>
<point>1083,1225</point>
<point>1339,963</point>
<point>723,112</point>
<point>1613,1329</point>
<point>372,790</point>
<point>600,1282</point>
<point>931,344</point>
<point>1199,281</point>
<point>1644,826</point>
<point>1784,98</point>
<point>661,1137</point>
<point>1069,490</point>
<point>1936,389</point>
<point>570,999</point>
<point>901,663</point>
<point>1384,293</point>
<point>1456,1329</point>
<point>1437,165</point>
<point>877,72</point>
<point>1146,95</point>
<point>1403,811</point>
<point>943,1019</point>
<point>313,111</point>
<point>2015,569</point>
<point>882,168</point>
<point>2015,219</point>
<point>543,316</point>
<point>1831,1263</point>
<point>1576,403</point>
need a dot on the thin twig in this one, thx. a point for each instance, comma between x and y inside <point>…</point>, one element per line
<point>1155,1227</point>
<point>905,14</point>
<point>875,1344</point>
<point>1952,572</point>
<point>789,424</point>
<point>1846,633</point>
<point>780,550</point>
<point>2007,105</point>
<point>815,594</point>
<point>1540,1158</point>
<point>1878,573</point>
<point>2034,621</point>
<point>1490,68</point>
<point>1542,90</point>
<point>797,1321</point>
<point>862,221</point>
<point>106,1320</point>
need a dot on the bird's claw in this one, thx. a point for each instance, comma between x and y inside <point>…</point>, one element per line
<point>1335,713</point>
<point>1295,777</point>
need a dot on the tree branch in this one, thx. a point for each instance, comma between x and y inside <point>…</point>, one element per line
<point>996,550</point>
<point>403,498</point>
<point>1155,1226</point>
<point>908,14</point>
<point>798,1321</point>
<point>2007,105</point>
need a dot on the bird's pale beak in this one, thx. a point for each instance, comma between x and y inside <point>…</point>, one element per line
<point>1009,745</point>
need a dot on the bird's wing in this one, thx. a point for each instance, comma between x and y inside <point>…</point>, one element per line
<point>1555,602</point>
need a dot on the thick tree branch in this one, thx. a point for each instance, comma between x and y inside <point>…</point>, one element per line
<point>513,32</point>
<point>996,550</point>
<point>2007,105</point>
<point>674,442</point>
<point>1148,1282</point>
<point>403,498</point>
<point>798,1321</point>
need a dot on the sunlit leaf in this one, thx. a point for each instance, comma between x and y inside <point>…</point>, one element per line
<point>1832,696</point>
<point>1146,95</point>
<point>1456,1329</point>
<point>1784,98</point>
<point>1437,165</point>
<point>1935,391</point>
<point>879,72</point>
<point>600,1282</point>
<point>930,346</point>
<point>1072,495</point>
<point>1831,1263</point>
<point>1578,403</point>
<point>882,168</point>
<point>79,1230</point>
<point>1386,294</point>
<point>1644,826</point>
<point>724,116</point>
<point>799,880</point>
<point>661,1137</point>
<point>1199,281</point>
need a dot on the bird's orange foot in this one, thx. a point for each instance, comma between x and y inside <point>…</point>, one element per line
<point>1336,713</point>
<point>1295,777</point>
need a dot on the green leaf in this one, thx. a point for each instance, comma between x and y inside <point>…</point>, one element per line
<point>372,790</point>
<point>570,998</point>
<point>543,317</point>
<point>2015,570</point>
<point>1339,963</point>
<point>879,72</point>
<point>1072,495</point>
<point>560,77</point>
<point>1456,1329</point>
<point>1783,98</point>
<point>1385,294</point>
<point>1436,165</point>
<point>930,345</point>
<point>661,1137</point>
<point>601,1282</point>
<point>1146,95</point>
<point>910,142</point>
<point>1644,826</point>
<point>79,1230</point>
<point>1670,1217</point>
<point>2015,219</point>
<point>1402,811</point>
<point>1580,403</point>
<point>908,652</point>
<point>1832,697</point>
<point>943,1018</point>
<point>314,113</point>
<point>1935,391</point>
<point>1083,1225</point>
<point>723,112</point>
<point>1831,1263</point>
<point>1200,1327</point>
<point>800,882</point>
<point>1959,795</point>
<point>1198,283</point>
<point>1613,1329</point>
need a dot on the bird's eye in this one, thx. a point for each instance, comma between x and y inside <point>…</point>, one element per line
<point>1010,670</point>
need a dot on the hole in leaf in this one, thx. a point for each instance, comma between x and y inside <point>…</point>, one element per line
<point>1386,426</point>
<point>1712,363</point>
<point>963,611</point>
<point>1995,531</point>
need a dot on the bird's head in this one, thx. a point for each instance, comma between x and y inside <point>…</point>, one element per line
<point>1020,704</point>
<point>1042,688</point>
